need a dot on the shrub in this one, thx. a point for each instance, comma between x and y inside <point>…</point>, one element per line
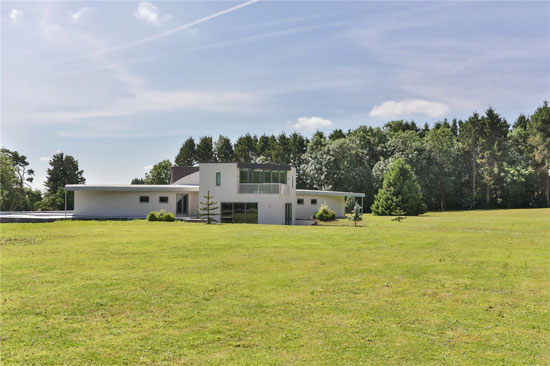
<point>325,214</point>
<point>153,216</point>
<point>169,217</point>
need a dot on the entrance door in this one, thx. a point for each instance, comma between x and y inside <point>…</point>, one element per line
<point>182,204</point>
<point>288,213</point>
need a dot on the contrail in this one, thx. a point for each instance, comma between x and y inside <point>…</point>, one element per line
<point>177,29</point>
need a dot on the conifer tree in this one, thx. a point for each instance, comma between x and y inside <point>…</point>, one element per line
<point>399,192</point>
<point>356,214</point>
<point>208,208</point>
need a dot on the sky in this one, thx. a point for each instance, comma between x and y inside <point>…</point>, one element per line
<point>121,85</point>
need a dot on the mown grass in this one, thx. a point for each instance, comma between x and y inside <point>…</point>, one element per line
<point>455,288</point>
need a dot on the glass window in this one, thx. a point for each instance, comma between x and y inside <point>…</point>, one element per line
<point>252,213</point>
<point>313,201</point>
<point>227,212</point>
<point>218,179</point>
<point>275,176</point>
<point>300,201</point>
<point>256,176</point>
<point>163,199</point>
<point>282,177</point>
<point>243,176</point>
<point>239,213</point>
<point>267,176</point>
<point>144,199</point>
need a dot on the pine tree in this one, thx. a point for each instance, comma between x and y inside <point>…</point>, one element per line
<point>187,155</point>
<point>356,214</point>
<point>399,215</point>
<point>208,207</point>
<point>399,192</point>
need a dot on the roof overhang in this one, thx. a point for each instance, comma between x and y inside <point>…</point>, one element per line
<point>311,192</point>
<point>133,187</point>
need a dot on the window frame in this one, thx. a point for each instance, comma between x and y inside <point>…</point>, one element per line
<point>163,199</point>
<point>143,199</point>
<point>299,201</point>
<point>312,201</point>
<point>218,179</point>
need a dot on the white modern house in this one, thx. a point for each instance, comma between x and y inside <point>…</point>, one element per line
<point>245,192</point>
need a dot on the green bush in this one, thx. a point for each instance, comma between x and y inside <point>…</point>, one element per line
<point>153,216</point>
<point>325,214</point>
<point>169,217</point>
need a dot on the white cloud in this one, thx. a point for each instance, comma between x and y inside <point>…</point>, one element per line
<point>76,16</point>
<point>409,107</point>
<point>148,167</point>
<point>44,158</point>
<point>149,13</point>
<point>15,15</point>
<point>311,123</point>
<point>156,101</point>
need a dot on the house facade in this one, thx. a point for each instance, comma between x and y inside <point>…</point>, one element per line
<point>245,192</point>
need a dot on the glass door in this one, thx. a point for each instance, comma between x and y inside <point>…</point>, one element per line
<point>182,203</point>
<point>288,213</point>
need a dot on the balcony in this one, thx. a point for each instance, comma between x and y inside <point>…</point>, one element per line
<point>263,188</point>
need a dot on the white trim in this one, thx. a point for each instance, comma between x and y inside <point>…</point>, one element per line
<point>133,187</point>
<point>311,192</point>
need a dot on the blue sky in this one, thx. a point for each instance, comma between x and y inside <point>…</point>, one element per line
<point>120,85</point>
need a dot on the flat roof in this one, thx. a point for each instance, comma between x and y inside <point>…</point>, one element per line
<point>133,187</point>
<point>312,192</point>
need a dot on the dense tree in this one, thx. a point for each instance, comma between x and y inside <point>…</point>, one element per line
<point>297,147</point>
<point>224,150</point>
<point>63,170</point>
<point>443,152</point>
<point>8,183</point>
<point>336,135</point>
<point>187,155</point>
<point>246,148</point>
<point>338,165</point>
<point>21,196</point>
<point>494,130</point>
<point>470,138</point>
<point>138,180</point>
<point>205,150</point>
<point>160,173</point>
<point>539,137</point>
<point>399,192</point>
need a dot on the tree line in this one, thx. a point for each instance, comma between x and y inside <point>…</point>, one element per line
<point>480,162</point>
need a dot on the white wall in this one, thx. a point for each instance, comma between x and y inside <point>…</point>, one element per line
<point>271,207</point>
<point>126,204</point>
<point>306,211</point>
<point>192,178</point>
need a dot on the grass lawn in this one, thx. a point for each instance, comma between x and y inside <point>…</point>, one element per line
<point>454,288</point>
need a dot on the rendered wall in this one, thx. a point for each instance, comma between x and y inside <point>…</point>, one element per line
<point>126,204</point>
<point>271,207</point>
<point>306,211</point>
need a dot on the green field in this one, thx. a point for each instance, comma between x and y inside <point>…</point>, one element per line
<point>454,288</point>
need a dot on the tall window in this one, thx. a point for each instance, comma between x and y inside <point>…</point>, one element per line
<point>243,175</point>
<point>218,179</point>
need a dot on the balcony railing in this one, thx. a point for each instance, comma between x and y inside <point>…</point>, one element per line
<point>263,188</point>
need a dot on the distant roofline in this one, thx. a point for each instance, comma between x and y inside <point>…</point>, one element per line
<point>312,192</point>
<point>133,187</point>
